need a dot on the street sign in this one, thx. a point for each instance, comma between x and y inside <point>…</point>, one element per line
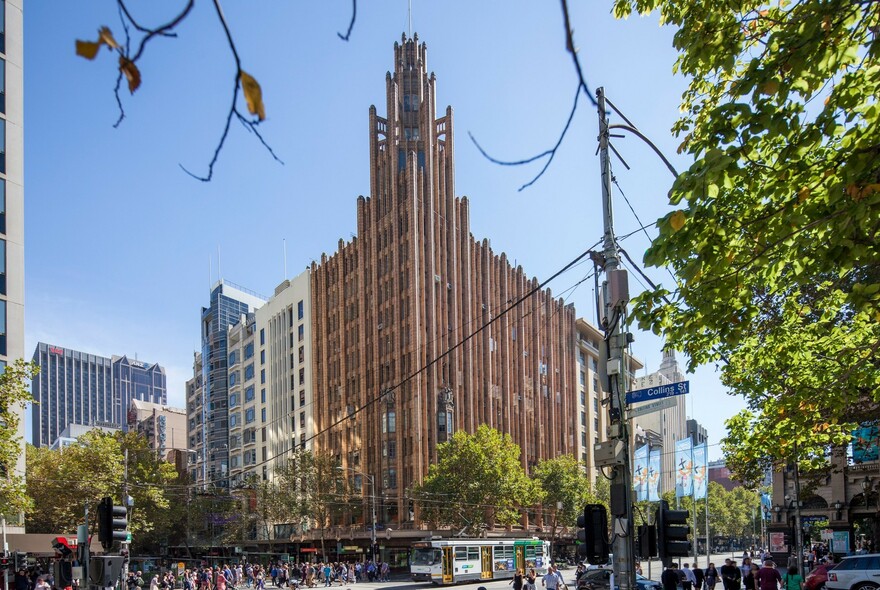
<point>660,404</point>
<point>659,392</point>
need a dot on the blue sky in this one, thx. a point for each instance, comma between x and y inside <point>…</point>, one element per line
<point>120,240</point>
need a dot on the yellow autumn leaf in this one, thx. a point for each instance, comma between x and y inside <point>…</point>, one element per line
<point>677,220</point>
<point>253,95</point>
<point>769,87</point>
<point>87,49</point>
<point>106,37</point>
<point>132,74</point>
<point>803,194</point>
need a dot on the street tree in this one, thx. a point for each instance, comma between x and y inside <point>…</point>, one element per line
<point>313,489</point>
<point>478,481</point>
<point>565,489</point>
<point>774,241</point>
<point>64,482</point>
<point>14,395</point>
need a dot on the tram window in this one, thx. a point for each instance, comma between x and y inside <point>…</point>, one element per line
<point>473,553</point>
<point>461,553</point>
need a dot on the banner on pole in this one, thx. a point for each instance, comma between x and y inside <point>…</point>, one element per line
<point>640,473</point>
<point>701,471</point>
<point>654,476</point>
<point>684,468</point>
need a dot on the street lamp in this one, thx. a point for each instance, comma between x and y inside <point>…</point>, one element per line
<point>838,506</point>
<point>373,506</point>
<point>866,488</point>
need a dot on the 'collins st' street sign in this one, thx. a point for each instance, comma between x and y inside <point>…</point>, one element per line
<point>659,392</point>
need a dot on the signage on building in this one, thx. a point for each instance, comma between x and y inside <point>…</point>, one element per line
<point>56,350</point>
<point>840,542</point>
<point>777,543</point>
<point>659,392</point>
<point>137,364</point>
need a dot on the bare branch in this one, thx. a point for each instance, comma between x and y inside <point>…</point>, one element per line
<point>551,152</point>
<point>354,10</point>
<point>569,44</point>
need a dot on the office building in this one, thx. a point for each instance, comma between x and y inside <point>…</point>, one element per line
<point>228,302</point>
<point>696,432</point>
<point>75,387</point>
<point>270,393</point>
<point>163,426</point>
<point>73,431</point>
<point>12,202</point>
<point>136,380</point>
<point>392,309</point>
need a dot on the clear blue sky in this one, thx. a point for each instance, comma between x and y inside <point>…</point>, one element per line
<point>119,239</point>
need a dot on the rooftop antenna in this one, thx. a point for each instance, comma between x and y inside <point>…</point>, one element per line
<point>210,273</point>
<point>284,247</point>
<point>409,18</point>
<point>219,274</point>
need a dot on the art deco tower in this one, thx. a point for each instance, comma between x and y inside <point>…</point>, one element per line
<point>394,307</point>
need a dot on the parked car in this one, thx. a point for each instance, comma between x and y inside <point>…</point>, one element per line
<point>600,579</point>
<point>857,572</point>
<point>817,577</point>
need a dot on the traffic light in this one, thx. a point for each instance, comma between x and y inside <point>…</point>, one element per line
<point>646,542</point>
<point>62,546</point>
<point>5,562</point>
<point>593,534</point>
<point>20,560</point>
<point>112,523</point>
<point>63,571</point>
<point>104,570</point>
<point>672,532</point>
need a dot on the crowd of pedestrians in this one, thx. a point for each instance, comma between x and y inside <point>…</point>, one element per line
<point>276,575</point>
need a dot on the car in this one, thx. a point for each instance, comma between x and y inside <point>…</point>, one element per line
<point>600,579</point>
<point>817,577</point>
<point>856,572</point>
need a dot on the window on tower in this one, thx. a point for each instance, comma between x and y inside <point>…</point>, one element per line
<point>410,103</point>
<point>411,133</point>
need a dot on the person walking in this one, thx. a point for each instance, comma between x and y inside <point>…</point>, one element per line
<point>551,579</point>
<point>517,580</point>
<point>530,579</point>
<point>792,580</point>
<point>669,578</point>
<point>711,576</point>
<point>750,581</point>
<point>689,580</point>
<point>699,576</point>
<point>768,578</point>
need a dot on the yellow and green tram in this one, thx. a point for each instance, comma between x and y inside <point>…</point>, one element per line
<point>449,561</point>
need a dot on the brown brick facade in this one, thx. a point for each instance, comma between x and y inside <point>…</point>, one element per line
<point>410,287</point>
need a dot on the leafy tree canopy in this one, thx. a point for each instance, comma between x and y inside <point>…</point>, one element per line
<point>14,395</point>
<point>63,482</point>
<point>563,480</point>
<point>775,241</point>
<point>478,480</point>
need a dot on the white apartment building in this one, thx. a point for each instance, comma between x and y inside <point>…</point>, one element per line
<point>270,382</point>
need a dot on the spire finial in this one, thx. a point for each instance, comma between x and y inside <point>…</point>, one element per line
<point>409,18</point>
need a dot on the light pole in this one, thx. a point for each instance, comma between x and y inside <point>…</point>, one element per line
<point>372,507</point>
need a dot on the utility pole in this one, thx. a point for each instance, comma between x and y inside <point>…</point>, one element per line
<point>614,297</point>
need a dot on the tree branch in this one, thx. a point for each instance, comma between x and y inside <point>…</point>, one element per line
<point>354,9</point>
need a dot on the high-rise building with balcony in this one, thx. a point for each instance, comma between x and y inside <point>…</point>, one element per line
<point>396,312</point>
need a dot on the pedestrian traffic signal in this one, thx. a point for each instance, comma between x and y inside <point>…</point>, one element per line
<point>5,563</point>
<point>593,534</point>
<point>646,542</point>
<point>20,560</point>
<point>672,533</point>
<point>112,523</point>
<point>104,570</point>
<point>63,571</point>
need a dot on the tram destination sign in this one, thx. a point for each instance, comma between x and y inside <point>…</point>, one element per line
<point>658,392</point>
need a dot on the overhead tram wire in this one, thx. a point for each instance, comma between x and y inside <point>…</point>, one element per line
<point>428,365</point>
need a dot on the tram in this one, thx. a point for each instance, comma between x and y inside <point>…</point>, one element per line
<point>449,561</point>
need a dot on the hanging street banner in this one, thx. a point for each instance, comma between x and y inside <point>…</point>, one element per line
<point>684,468</point>
<point>658,392</point>
<point>640,473</point>
<point>654,476</point>
<point>701,471</point>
